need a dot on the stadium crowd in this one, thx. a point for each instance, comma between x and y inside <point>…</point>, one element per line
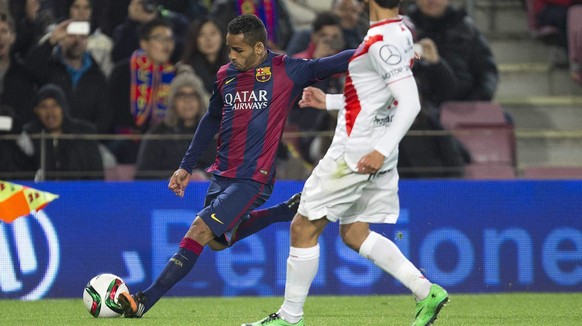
<point>141,74</point>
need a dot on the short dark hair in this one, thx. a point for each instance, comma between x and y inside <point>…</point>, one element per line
<point>70,3</point>
<point>325,18</point>
<point>251,27</point>
<point>388,3</point>
<point>146,29</point>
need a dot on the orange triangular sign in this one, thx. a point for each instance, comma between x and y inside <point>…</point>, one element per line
<point>17,200</point>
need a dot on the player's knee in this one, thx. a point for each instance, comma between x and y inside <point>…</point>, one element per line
<point>351,243</point>
<point>298,228</point>
<point>200,232</point>
<point>354,235</point>
<point>304,231</point>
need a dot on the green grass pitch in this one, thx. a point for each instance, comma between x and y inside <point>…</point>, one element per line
<point>482,309</point>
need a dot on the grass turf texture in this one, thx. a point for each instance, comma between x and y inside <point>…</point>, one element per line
<point>483,309</point>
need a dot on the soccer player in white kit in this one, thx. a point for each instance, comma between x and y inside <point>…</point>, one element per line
<point>356,182</point>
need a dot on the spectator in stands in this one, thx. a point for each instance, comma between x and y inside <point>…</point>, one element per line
<point>16,84</point>
<point>139,87</point>
<point>303,13</point>
<point>326,39</point>
<point>430,156</point>
<point>62,59</point>
<point>451,41</point>
<point>99,45</point>
<point>275,17</point>
<point>193,10</point>
<point>554,13</point>
<point>113,13</point>
<point>205,50</point>
<point>435,78</point>
<point>187,104</point>
<point>353,21</point>
<point>64,158</point>
<point>353,24</point>
<point>139,12</point>
<point>32,21</point>
<point>575,41</point>
<point>14,161</point>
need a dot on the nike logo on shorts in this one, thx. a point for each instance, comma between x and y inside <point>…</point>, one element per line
<point>213,216</point>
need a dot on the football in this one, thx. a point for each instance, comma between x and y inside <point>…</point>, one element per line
<point>100,295</point>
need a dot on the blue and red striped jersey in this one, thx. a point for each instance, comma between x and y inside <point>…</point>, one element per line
<point>248,109</point>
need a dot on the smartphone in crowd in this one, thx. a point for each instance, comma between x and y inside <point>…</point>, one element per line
<point>78,28</point>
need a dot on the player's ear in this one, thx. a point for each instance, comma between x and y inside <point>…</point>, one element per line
<point>259,48</point>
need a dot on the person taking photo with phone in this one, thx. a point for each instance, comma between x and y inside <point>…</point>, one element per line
<point>62,58</point>
<point>139,13</point>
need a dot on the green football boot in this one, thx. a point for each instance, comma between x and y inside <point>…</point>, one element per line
<point>428,308</point>
<point>275,320</point>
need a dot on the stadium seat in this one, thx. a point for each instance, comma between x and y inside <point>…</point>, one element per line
<point>471,114</point>
<point>552,172</point>
<point>483,129</point>
<point>120,172</point>
<point>493,145</point>
<point>489,171</point>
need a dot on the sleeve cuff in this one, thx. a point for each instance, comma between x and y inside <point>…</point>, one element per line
<point>334,102</point>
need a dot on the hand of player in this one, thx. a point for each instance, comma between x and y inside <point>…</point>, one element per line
<point>430,53</point>
<point>370,163</point>
<point>179,182</point>
<point>312,97</point>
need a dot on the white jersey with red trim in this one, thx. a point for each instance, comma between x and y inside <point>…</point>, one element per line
<point>385,57</point>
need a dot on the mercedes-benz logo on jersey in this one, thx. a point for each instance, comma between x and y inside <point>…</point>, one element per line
<point>390,54</point>
<point>29,256</point>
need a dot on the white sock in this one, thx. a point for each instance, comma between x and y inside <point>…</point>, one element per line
<point>302,266</point>
<point>386,255</point>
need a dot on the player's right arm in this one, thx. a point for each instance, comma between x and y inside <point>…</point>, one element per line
<point>205,132</point>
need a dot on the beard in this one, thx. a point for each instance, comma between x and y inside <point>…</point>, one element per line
<point>74,53</point>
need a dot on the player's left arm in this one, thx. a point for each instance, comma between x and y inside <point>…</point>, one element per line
<point>305,72</point>
<point>325,67</point>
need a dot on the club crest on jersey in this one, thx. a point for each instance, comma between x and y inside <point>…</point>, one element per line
<point>263,74</point>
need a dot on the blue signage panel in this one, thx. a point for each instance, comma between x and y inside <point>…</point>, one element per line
<point>493,236</point>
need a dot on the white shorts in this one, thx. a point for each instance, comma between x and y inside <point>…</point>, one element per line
<point>335,191</point>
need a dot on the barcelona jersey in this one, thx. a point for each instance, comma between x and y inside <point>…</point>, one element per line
<point>248,111</point>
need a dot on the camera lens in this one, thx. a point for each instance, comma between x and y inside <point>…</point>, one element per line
<point>149,5</point>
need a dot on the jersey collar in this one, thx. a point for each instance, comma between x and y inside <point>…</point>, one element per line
<point>385,21</point>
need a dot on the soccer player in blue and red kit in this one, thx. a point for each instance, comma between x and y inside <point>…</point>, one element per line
<point>248,109</point>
